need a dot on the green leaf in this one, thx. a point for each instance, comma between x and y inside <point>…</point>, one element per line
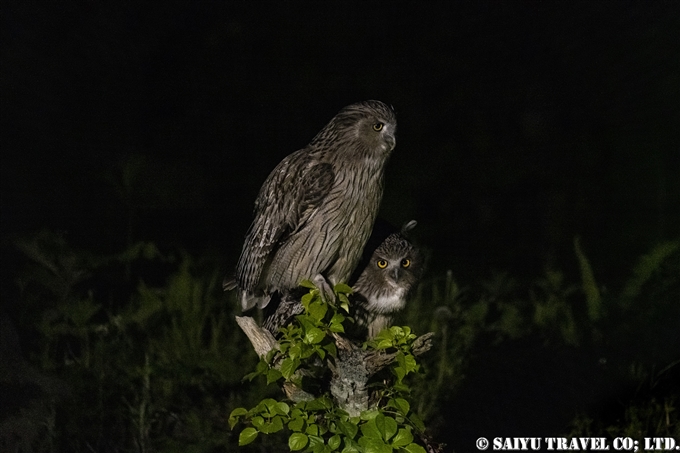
<point>297,441</point>
<point>312,430</point>
<point>247,436</point>
<point>296,424</point>
<point>331,348</point>
<point>315,405</point>
<point>417,422</point>
<point>270,404</point>
<point>277,424</point>
<point>384,344</point>
<point>399,373</point>
<point>403,438</point>
<point>307,351</point>
<point>380,424</point>
<point>410,363</point>
<point>282,408</point>
<point>414,448</point>
<point>401,405</point>
<point>270,356</point>
<point>374,445</point>
<point>349,429</point>
<point>334,442</point>
<point>274,426</point>
<point>251,376</point>
<point>369,414</point>
<point>397,331</point>
<point>385,334</point>
<point>238,412</point>
<point>288,367</point>
<point>353,447</point>
<point>306,300</point>
<point>338,317</point>
<point>316,444</point>
<point>307,322</point>
<point>337,328</point>
<point>295,352</point>
<point>400,387</point>
<point>258,422</point>
<point>390,428</point>
<point>318,310</point>
<point>370,430</point>
<point>235,415</point>
<point>401,359</point>
<point>261,367</point>
<point>387,426</point>
<point>307,284</point>
<point>342,288</point>
<point>314,336</point>
<point>273,375</point>
<point>336,323</point>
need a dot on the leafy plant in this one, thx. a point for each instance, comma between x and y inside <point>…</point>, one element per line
<point>143,363</point>
<point>310,349</point>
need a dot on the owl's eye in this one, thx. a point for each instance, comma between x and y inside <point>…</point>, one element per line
<point>378,127</point>
<point>382,264</point>
<point>405,262</point>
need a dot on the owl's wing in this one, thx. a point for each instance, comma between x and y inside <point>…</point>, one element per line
<point>287,198</point>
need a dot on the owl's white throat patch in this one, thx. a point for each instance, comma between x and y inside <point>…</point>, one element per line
<point>388,302</point>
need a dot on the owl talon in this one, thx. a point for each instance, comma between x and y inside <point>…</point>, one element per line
<point>325,289</point>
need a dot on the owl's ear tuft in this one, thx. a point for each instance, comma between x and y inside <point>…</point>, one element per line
<point>408,226</point>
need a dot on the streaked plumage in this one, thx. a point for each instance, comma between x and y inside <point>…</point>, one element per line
<point>384,281</point>
<point>315,211</point>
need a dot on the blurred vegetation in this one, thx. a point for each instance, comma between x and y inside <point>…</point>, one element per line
<point>136,366</point>
<point>139,351</point>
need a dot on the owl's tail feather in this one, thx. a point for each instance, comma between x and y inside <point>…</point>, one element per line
<point>248,299</point>
<point>229,283</point>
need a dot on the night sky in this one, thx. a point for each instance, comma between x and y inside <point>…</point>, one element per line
<point>521,124</point>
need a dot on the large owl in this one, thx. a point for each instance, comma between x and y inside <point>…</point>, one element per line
<point>385,279</point>
<point>315,211</point>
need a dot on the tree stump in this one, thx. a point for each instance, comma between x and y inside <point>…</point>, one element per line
<point>350,371</point>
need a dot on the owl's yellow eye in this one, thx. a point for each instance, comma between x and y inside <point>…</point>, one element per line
<point>405,262</point>
<point>382,264</point>
<point>378,127</point>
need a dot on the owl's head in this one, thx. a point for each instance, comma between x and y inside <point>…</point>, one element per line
<point>397,262</point>
<point>372,124</point>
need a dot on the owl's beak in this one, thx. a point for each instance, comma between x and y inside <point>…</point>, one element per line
<point>395,274</point>
<point>389,134</point>
<point>390,139</point>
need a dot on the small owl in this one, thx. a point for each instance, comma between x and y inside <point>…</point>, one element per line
<point>385,282</point>
<point>316,209</point>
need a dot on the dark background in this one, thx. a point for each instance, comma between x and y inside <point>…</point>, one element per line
<point>521,124</point>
